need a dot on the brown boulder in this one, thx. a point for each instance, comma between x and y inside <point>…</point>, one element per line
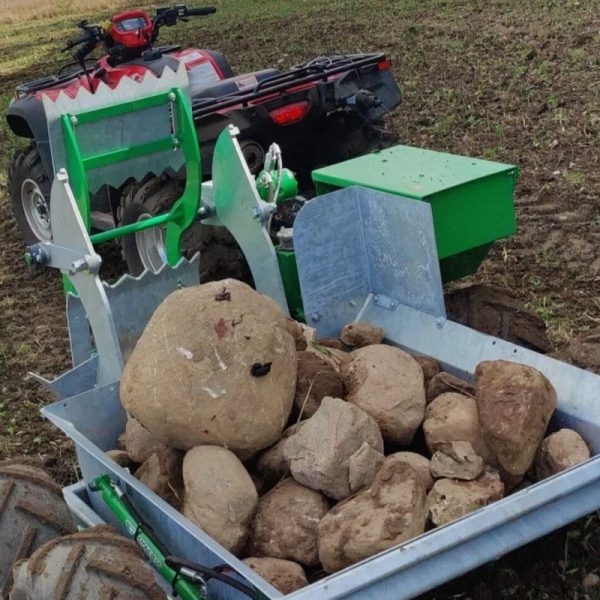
<point>387,383</point>
<point>388,513</point>
<point>319,455</point>
<point>140,444</point>
<point>443,382</point>
<point>215,365</point>
<point>430,366</point>
<point>220,496</point>
<point>284,575</point>
<point>285,523</point>
<point>419,463</point>
<point>316,379</point>
<point>358,335</point>
<point>450,499</point>
<point>162,473</point>
<point>271,466</point>
<point>560,451</point>
<point>456,460</point>
<point>515,403</point>
<point>120,457</point>
<point>453,417</point>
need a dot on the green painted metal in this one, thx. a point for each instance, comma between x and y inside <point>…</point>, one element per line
<point>113,498</point>
<point>287,190</point>
<point>472,200</point>
<point>291,282</point>
<point>184,211</point>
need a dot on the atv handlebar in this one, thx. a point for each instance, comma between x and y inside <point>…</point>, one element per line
<point>200,12</point>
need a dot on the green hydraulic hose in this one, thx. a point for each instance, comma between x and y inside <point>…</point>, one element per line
<point>113,497</point>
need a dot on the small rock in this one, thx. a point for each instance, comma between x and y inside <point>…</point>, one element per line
<point>319,454</point>
<point>430,366</point>
<point>456,460</point>
<point>332,342</point>
<point>358,335</point>
<point>389,512</point>
<point>284,575</point>
<point>271,466</point>
<point>120,457</point>
<point>316,379</point>
<point>591,580</point>
<point>419,463</point>
<point>162,473</point>
<point>450,499</point>
<point>285,523</point>
<point>515,403</point>
<point>302,334</point>
<point>559,451</point>
<point>445,382</point>
<point>140,444</point>
<point>363,466</point>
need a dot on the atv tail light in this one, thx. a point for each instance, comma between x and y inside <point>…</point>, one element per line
<point>384,64</point>
<point>290,113</point>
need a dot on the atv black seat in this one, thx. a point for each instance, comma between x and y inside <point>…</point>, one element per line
<point>232,85</point>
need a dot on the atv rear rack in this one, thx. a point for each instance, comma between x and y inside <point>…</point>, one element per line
<point>286,80</point>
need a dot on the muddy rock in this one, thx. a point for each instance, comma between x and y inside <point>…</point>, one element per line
<point>336,358</point>
<point>456,460</point>
<point>357,335</point>
<point>120,457</point>
<point>450,499</point>
<point>363,466</point>
<point>162,473</point>
<point>500,313</point>
<point>319,454</point>
<point>419,463</point>
<point>332,342</point>
<point>284,575</point>
<point>515,403</point>
<point>453,417</point>
<point>220,496</point>
<point>140,444</point>
<point>559,451</point>
<point>443,382</point>
<point>285,523</point>
<point>430,367</point>
<point>271,466</point>
<point>389,512</point>
<point>215,365</point>
<point>317,378</point>
<point>302,334</point>
<point>387,383</point>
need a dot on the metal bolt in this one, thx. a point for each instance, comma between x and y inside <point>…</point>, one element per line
<point>172,97</point>
<point>74,120</point>
<point>256,212</point>
<point>78,265</point>
<point>440,322</point>
<point>176,143</point>
<point>375,298</point>
<point>315,317</point>
<point>352,303</point>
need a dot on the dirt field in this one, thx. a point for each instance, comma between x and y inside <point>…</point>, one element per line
<point>504,80</point>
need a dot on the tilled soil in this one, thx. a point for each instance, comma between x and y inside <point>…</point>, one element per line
<point>508,81</point>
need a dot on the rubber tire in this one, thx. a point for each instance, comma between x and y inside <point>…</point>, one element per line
<point>26,164</point>
<point>94,564</point>
<point>221,257</point>
<point>32,512</point>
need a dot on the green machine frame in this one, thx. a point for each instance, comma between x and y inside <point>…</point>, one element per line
<point>184,211</point>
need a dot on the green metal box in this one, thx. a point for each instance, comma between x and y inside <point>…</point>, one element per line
<point>472,200</point>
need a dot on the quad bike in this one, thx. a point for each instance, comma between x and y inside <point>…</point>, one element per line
<point>327,110</point>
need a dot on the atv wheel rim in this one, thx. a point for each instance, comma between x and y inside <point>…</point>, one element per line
<point>151,246</point>
<point>36,210</point>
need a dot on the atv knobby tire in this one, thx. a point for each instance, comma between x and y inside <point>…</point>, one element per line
<point>32,512</point>
<point>220,255</point>
<point>27,178</point>
<point>95,564</point>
